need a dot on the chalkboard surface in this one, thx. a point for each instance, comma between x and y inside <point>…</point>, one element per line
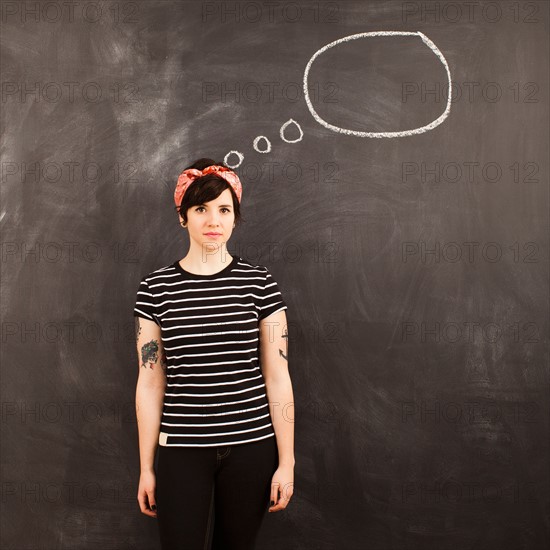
<point>414,266</point>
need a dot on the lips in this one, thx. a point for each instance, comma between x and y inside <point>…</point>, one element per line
<point>212,234</point>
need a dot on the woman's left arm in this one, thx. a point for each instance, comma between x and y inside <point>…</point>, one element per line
<point>274,362</point>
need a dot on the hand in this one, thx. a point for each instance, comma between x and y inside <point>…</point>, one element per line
<point>146,493</point>
<point>282,488</point>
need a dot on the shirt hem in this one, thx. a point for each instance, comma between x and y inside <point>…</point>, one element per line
<point>164,441</point>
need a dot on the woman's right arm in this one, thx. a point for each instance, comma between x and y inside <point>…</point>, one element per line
<point>150,390</point>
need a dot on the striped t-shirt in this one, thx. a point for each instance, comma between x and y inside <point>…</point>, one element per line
<point>215,393</point>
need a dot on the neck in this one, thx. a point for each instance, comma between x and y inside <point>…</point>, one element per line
<point>206,260</point>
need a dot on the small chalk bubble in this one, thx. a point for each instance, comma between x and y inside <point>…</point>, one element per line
<point>285,126</point>
<point>239,154</point>
<point>268,143</point>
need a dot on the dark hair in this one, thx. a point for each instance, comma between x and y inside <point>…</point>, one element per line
<point>205,189</point>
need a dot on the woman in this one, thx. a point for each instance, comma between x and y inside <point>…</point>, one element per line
<point>213,391</point>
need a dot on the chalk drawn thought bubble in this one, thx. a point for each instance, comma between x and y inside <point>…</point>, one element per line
<point>403,133</point>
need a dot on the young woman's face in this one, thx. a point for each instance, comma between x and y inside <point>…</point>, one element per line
<point>211,223</point>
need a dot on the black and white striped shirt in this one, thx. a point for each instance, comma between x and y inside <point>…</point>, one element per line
<point>215,393</point>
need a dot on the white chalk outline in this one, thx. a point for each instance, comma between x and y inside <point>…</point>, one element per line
<point>239,154</point>
<point>283,128</point>
<point>403,133</point>
<point>255,144</point>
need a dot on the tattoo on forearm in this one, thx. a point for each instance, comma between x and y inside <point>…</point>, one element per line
<point>138,327</point>
<point>149,353</point>
<point>163,361</point>
<point>284,354</point>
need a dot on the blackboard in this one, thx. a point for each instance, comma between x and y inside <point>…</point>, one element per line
<point>415,267</point>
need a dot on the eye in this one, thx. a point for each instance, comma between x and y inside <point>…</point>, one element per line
<point>226,209</point>
<point>198,208</point>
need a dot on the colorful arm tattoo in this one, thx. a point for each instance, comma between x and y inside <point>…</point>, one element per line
<point>149,353</point>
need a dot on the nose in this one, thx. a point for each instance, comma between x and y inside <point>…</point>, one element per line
<point>213,219</point>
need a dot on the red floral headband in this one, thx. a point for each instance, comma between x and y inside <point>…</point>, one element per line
<point>187,177</point>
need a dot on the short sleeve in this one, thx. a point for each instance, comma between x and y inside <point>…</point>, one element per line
<point>145,303</point>
<point>272,299</point>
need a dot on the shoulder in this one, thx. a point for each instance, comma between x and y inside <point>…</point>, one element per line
<point>162,274</point>
<point>258,270</point>
<point>249,267</point>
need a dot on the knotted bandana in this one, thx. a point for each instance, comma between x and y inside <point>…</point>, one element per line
<point>187,177</point>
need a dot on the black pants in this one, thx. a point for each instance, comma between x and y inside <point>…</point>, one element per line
<point>217,495</point>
